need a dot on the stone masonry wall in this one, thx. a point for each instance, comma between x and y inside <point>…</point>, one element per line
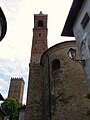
<point>16,89</point>
<point>67,86</point>
<point>34,101</point>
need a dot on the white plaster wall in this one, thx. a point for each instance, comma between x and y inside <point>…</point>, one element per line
<point>83,35</point>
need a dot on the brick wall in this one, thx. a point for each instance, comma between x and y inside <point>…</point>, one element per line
<point>34,105</point>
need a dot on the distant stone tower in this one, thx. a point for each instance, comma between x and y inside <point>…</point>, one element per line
<point>34,105</point>
<point>16,89</point>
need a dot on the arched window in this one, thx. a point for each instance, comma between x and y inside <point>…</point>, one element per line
<point>55,64</point>
<point>40,23</point>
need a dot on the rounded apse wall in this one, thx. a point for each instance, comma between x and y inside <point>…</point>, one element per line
<point>64,85</point>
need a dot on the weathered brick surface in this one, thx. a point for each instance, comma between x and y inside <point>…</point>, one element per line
<point>16,89</point>
<point>39,43</point>
<point>67,86</point>
<point>34,105</point>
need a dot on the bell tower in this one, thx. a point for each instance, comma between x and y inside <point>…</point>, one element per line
<point>39,43</point>
<point>34,105</point>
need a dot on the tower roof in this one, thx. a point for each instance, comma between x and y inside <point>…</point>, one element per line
<point>75,8</point>
<point>40,14</point>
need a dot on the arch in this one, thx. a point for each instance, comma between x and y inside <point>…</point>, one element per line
<point>55,64</point>
<point>40,23</point>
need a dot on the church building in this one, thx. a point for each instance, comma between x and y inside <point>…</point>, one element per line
<point>56,86</point>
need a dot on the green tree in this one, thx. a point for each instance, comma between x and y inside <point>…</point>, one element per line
<point>11,106</point>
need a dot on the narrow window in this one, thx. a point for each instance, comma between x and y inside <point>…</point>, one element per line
<point>39,34</point>
<point>40,23</point>
<point>43,48</point>
<point>55,64</point>
<point>85,20</point>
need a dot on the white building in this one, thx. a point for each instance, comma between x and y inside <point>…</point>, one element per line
<point>78,25</point>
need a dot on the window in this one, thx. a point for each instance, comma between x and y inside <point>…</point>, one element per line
<point>55,64</point>
<point>85,20</point>
<point>39,34</point>
<point>43,48</point>
<point>40,23</point>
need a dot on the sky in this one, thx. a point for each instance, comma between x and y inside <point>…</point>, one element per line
<point>15,48</point>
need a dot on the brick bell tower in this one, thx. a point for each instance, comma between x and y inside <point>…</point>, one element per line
<point>34,105</point>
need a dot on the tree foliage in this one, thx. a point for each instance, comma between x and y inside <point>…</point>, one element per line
<point>11,106</point>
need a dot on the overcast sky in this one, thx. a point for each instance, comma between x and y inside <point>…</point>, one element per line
<point>15,48</point>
